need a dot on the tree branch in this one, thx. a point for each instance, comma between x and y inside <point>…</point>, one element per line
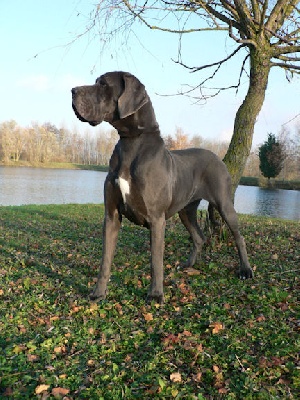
<point>288,59</point>
<point>243,41</point>
<point>280,13</point>
<point>263,16</point>
<point>245,18</point>
<point>212,11</point>
<point>200,86</point>
<point>196,69</point>
<point>230,8</point>
<point>279,50</point>
<point>178,31</point>
<point>292,67</point>
<point>256,10</point>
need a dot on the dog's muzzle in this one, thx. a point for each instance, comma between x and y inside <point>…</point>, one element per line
<point>82,108</point>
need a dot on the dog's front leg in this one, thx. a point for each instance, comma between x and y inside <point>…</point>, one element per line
<point>110,235</point>
<point>157,239</point>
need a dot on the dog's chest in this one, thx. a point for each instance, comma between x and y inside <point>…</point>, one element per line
<point>124,186</point>
<point>132,205</point>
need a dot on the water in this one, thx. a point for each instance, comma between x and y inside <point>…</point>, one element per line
<point>50,186</point>
<point>56,186</point>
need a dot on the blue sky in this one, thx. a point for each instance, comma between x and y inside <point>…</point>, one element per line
<point>39,68</point>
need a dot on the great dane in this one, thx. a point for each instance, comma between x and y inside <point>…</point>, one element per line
<point>148,183</point>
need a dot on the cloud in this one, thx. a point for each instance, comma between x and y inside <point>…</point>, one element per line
<point>35,82</point>
<point>42,82</point>
<point>68,81</point>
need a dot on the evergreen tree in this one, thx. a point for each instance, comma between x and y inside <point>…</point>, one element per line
<point>271,157</point>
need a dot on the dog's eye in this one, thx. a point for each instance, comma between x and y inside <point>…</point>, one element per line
<point>103,84</point>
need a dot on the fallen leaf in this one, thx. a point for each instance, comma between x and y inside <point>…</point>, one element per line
<point>54,318</point>
<point>183,288</point>
<point>216,327</point>
<point>59,349</point>
<point>197,377</point>
<point>32,357</point>
<point>192,271</point>
<point>8,392</point>
<point>19,349</point>
<point>175,377</point>
<point>216,368</point>
<point>148,317</point>
<point>59,391</point>
<point>41,388</point>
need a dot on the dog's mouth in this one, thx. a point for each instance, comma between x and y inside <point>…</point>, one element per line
<point>81,118</point>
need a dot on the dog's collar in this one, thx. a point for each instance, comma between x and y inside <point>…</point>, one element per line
<point>136,133</point>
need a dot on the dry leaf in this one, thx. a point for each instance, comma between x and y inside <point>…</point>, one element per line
<point>175,377</point>
<point>59,349</point>
<point>32,357</point>
<point>197,377</point>
<point>216,368</point>
<point>216,327</point>
<point>261,318</point>
<point>41,388</point>
<point>148,317</point>
<point>59,391</point>
<point>192,271</point>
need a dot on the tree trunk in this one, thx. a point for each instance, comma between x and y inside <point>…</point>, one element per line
<point>241,141</point>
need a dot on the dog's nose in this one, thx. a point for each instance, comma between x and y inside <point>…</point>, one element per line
<point>74,90</point>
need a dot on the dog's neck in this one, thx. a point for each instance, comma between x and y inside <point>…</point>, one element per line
<point>142,121</point>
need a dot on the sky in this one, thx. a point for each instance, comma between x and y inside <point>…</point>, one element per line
<point>39,67</point>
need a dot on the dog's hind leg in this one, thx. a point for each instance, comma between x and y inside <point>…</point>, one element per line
<point>229,215</point>
<point>188,216</point>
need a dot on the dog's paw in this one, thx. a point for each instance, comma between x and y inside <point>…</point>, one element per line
<point>246,273</point>
<point>156,297</point>
<point>95,296</point>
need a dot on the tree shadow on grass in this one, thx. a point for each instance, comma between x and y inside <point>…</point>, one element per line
<point>53,241</point>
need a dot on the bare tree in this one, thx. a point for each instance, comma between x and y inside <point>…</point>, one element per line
<point>266,31</point>
<point>13,140</point>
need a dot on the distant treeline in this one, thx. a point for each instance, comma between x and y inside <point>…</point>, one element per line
<point>46,143</point>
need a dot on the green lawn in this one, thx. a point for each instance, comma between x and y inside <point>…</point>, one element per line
<point>216,337</point>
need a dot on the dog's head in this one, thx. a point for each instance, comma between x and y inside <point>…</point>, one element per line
<point>114,96</point>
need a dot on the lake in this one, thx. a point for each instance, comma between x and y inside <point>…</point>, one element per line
<point>20,185</point>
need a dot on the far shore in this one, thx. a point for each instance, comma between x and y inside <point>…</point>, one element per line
<point>56,165</point>
<point>245,180</point>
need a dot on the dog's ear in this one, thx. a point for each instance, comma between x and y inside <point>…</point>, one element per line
<point>133,97</point>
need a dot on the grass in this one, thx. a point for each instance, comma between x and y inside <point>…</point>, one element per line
<point>216,337</point>
<point>274,183</point>
<point>56,165</point>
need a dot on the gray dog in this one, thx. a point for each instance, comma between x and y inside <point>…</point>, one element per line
<point>146,182</point>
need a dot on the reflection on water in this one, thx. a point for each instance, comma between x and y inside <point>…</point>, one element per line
<point>275,203</point>
<point>57,186</point>
<point>50,186</point>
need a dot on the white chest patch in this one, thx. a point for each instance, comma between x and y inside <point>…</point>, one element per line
<point>124,187</point>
